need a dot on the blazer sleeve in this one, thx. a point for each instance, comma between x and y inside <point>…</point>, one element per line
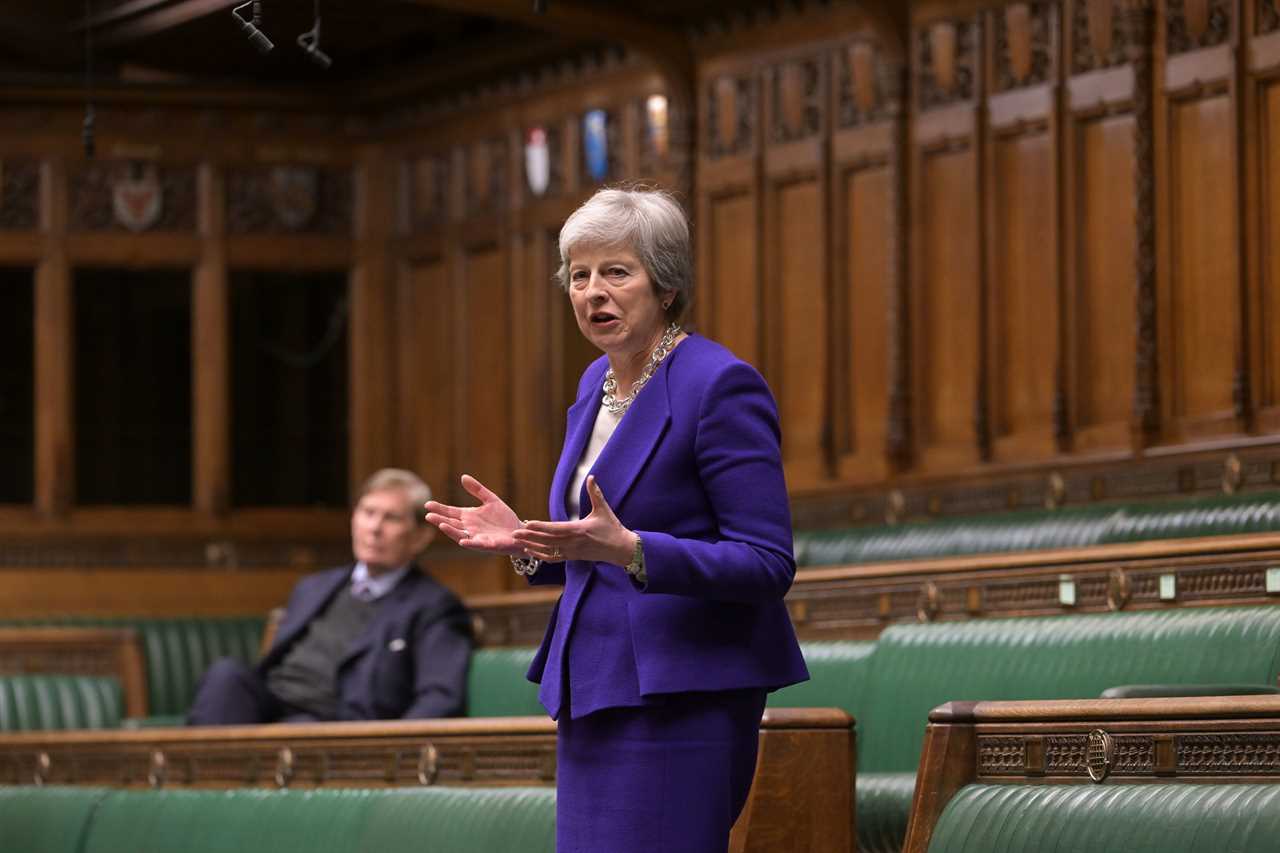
<point>738,455</point>
<point>441,656</point>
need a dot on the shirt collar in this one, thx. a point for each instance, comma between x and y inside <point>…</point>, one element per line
<point>370,588</point>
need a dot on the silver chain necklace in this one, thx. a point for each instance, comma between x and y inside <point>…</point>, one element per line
<point>616,406</point>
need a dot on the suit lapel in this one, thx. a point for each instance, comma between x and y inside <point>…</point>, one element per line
<point>582,417</point>
<point>311,608</point>
<point>634,441</point>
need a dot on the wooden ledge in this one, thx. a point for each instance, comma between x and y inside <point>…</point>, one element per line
<point>1068,711</point>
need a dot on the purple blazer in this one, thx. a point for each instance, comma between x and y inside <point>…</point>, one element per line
<point>694,468</point>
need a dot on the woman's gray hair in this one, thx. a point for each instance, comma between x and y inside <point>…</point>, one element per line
<point>408,482</point>
<point>649,222</point>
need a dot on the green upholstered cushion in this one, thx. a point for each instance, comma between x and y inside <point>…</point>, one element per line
<point>883,807</point>
<point>1031,530</point>
<point>496,686</point>
<point>45,820</point>
<point>440,820</point>
<point>917,667</point>
<point>178,651</point>
<point>1162,818</point>
<point>32,702</point>
<point>837,677</point>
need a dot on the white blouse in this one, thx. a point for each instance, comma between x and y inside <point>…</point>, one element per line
<point>606,423</point>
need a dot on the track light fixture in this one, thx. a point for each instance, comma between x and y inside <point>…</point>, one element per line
<point>310,43</point>
<point>250,25</point>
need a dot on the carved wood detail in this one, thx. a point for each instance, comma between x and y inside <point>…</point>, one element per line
<point>1100,38</point>
<point>84,552</point>
<point>428,188</point>
<point>94,192</point>
<point>1025,36</point>
<point>861,96</point>
<point>947,57</point>
<point>19,194</point>
<point>1243,754</point>
<point>289,199</point>
<point>486,176</point>
<point>731,116</point>
<point>1193,24</point>
<point>1268,16</point>
<point>1146,393</point>
<point>795,92</point>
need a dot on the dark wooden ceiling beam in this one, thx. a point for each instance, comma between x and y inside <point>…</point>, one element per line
<point>152,19</point>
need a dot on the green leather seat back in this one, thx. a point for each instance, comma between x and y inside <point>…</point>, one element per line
<point>837,677</point>
<point>496,686</point>
<point>917,667</point>
<point>178,651</point>
<point>34,702</point>
<point>1030,530</point>
<point>45,820</point>
<point>1162,818</point>
<point>441,820</point>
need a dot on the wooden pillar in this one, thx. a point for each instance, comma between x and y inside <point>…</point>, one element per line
<point>895,82</point>
<point>55,351</point>
<point>210,351</point>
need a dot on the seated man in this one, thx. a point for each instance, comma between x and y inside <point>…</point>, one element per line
<point>377,640</point>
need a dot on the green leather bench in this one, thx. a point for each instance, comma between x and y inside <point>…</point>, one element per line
<point>176,653</point>
<point>1159,818</point>
<point>50,701</point>
<point>1033,530</point>
<point>891,685</point>
<point>441,820</point>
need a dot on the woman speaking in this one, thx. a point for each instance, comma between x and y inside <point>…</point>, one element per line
<point>671,534</point>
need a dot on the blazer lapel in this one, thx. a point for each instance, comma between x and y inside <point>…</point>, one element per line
<point>582,418</point>
<point>634,441</point>
<point>311,608</point>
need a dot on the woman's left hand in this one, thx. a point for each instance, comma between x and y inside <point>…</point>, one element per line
<point>599,537</point>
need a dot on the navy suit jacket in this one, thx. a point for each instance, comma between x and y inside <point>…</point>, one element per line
<point>410,661</point>
<point>694,468</point>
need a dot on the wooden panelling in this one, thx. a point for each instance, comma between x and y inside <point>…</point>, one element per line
<point>800,292</point>
<point>864,201</point>
<point>483,394</point>
<point>947,310</point>
<point>1024,295</point>
<point>427,343</point>
<point>734,264</point>
<point>1102,306</point>
<point>1267,299</point>
<point>1202,300</point>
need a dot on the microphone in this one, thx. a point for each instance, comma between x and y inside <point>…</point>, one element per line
<point>310,43</point>
<point>250,25</point>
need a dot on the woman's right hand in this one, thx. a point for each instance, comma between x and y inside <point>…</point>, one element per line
<point>487,527</point>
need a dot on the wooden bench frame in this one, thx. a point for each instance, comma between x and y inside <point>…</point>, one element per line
<point>113,652</point>
<point>858,602</point>
<point>802,798</point>
<point>1119,741</point>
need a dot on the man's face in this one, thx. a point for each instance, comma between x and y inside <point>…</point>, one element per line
<point>384,531</point>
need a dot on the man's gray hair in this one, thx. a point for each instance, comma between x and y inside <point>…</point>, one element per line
<point>408,482</point>
<point>648,222</point>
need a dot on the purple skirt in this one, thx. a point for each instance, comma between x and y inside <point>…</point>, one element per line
<point>670,777</point>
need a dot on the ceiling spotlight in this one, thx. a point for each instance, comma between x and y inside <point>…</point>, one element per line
<point>310,43</point>
<point>250,25</point>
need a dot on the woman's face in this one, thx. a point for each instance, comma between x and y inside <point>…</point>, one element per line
<point>614,301</point>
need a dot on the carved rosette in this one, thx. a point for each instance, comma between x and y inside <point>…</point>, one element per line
<point>860,89</point>
<point>428,188</point>
<point>103,190</point>
<point>1268,16</point>
<point>731,116</point>
<point>1146,409</point>
<point>947,55</point>
<point>795,97</point>
<point>486,176</point>
<point>19,194</point>
<point>1025,35</point>
<point>1099,36</point>
<point>289,199</point>
<point>1193,24</point>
